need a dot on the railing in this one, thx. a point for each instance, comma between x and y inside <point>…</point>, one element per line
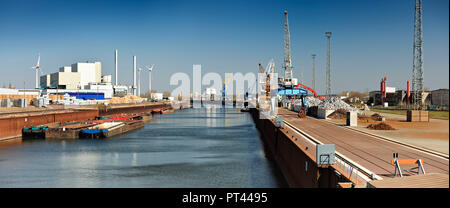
<point>344,166</point>
<point>351,172</point>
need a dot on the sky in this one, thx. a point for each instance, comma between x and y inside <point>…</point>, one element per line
<point>371,39</point>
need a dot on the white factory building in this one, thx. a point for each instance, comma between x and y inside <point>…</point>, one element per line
<point>89,73</point>
<point>79,77</point>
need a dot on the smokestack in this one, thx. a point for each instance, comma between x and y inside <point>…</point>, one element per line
<point>134,75</point>
<point>381,91</point>
<point>117,73</point>
<point>384,89</point>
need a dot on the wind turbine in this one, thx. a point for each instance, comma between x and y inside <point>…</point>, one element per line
<point>150,78</point>
<point>139,81</point>
<point>37,67</point>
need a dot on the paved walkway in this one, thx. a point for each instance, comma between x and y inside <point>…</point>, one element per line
<point>370,152</point>
<point>432,135</point>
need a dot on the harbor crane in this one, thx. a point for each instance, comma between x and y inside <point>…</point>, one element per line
<point>265,80</point>
<point>270,69</point>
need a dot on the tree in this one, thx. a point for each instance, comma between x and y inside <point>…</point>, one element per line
<point>354,95</point>
<point>148,94</point>
<point>120,94</point>
<point>166,94</point>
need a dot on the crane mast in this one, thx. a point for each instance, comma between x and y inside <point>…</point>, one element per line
<point>287,52</point>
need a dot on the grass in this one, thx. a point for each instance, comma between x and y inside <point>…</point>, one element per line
<point>432,114</point>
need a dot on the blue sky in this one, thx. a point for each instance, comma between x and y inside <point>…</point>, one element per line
<point>371,38</point>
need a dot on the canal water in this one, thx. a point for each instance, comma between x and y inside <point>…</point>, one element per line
<point>206,147</point>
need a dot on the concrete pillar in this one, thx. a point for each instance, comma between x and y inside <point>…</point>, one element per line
<point>323,113</point>
<point>352,118</point>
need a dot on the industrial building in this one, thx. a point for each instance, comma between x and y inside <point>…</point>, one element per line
<point>89,72</point>
<point>82,80</point>
<point>65,80</point>
<point>14,94</point>
<point>79,94</point>
<point>76,76</point>
<point>44,81</point>
<point>439,97</point>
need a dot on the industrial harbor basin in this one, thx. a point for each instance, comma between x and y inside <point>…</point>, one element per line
<point>196,147</point>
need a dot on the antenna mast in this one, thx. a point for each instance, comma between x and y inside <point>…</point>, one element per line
<point>417,81</point>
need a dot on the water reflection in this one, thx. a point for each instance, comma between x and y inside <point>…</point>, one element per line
<point>208,147</point>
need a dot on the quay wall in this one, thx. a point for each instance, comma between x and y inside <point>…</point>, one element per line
<point>298,167</point>
<point>11,126</point>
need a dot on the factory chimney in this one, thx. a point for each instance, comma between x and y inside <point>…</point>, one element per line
<point>383,90</point>
<point>134,76</point>
<point>117,73</point>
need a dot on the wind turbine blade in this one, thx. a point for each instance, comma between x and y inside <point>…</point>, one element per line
<point>39,59</point>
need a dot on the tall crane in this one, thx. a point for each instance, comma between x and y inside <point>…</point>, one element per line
<point>288,75</point>
<point>328,81</point>
<point>270,69</point>
<point>266,80</point>
<point>313,71</point>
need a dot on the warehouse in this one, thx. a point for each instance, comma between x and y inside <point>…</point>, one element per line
<point>439,97</point>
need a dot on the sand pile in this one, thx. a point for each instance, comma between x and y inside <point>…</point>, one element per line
<point>380,126</point>
<point>338,114</point>
<point>126,99</point>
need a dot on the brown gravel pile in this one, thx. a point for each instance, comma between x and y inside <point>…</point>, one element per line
<point>376,117</point>
<point>380,126</point>
<point>338,114</point>
<point>363,117</point>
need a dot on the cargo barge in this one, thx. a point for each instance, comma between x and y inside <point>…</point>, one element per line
<point>34,131</point>
<point>67,131</point>
<point>37,132</point>
<point>94,128</point>
<point>102,130</point>
<point>110,129</point>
